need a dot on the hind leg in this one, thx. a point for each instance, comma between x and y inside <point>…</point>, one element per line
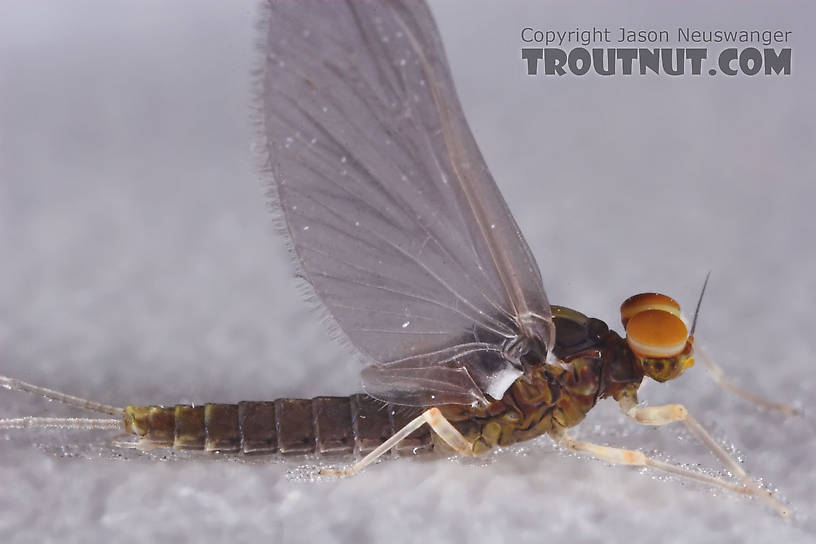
<point>434,418</point>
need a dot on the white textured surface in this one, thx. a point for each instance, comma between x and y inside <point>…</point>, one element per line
<point>139,266</point>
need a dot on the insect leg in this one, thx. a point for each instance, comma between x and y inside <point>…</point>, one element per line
<point>718,375</point>
<point>432,417</point>
<point>620,456</point>
<point>448,433</point>
<point>669,413</point>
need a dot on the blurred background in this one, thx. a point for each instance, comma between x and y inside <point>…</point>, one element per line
<point>138,264</point>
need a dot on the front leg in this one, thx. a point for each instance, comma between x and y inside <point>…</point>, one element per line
<point>657,415</point>
<point>718,375</point>
<point>669,413</point>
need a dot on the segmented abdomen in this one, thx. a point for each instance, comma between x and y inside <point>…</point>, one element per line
<point>323,425</point>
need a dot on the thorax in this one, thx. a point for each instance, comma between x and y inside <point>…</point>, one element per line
<point>551,397</point>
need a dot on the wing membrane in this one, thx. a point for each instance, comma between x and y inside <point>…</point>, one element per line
<point>398,225</point>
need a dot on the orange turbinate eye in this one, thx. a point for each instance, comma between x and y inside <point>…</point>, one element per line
<point>656,333</point>
<point>647,301</point>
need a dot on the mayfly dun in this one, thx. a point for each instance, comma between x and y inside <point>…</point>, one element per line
<point>403,235</point>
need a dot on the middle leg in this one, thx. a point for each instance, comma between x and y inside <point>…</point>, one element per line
<point>670,413</point>
<point>620,456</point>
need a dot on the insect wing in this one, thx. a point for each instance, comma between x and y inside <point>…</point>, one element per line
<point>397,223</point>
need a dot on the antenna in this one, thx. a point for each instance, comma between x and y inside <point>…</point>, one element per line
<point>699,301</point>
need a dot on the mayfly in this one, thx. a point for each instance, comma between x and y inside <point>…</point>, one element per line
<point>403,235</point>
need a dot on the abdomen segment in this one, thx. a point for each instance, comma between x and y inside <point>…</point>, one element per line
<point>327,426</point>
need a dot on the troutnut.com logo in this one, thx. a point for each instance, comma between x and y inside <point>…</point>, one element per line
<point>642,52</point>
